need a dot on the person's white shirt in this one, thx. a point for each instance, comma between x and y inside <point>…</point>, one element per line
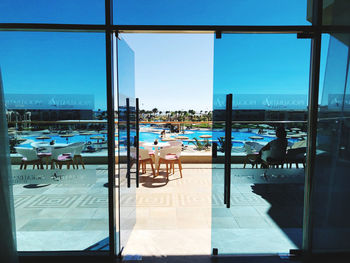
<point>277,149</point>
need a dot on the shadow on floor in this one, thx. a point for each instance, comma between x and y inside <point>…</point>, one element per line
<point>148,181</point>
<point>287,203</point>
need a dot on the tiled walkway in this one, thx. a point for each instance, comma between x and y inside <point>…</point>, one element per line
<point>58,216</point>
<point>174,217</point>
<point>182,216</point>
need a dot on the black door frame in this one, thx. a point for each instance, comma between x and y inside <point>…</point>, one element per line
<point>313,31</point>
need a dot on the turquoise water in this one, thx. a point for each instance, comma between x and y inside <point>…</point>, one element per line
<point>238,137</point>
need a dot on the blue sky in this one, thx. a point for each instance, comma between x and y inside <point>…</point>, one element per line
<point>171,71</point>
<point>168,12</point>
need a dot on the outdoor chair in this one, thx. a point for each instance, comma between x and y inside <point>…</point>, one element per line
<point>63,156</point>
<point>43,152</point>
<point>252,149</point>
<point>148,148</point>
<point>296,156</point>
<point>40,146</point>
<point>272,162</point>
<point>145,158</point>
<point>29,156</point>
<point>77,158</point>
<point>170,156</point>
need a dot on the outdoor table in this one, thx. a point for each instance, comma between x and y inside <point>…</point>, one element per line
<point>156,149</point>
<point>182,138</point>
<point>48,147</point>
<point>167,139</point>
<point>205,136</point>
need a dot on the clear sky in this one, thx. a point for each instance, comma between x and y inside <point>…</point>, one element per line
<point>172,72</point>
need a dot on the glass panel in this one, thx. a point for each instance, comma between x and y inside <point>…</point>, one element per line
<point>331,181</point>
<point>7,224</point>
<point>55,95</point>
<point>207,12</point>
<point>126,139</point>
<point>57,12</point>
<point>268,77</point>
<point>335,12</point>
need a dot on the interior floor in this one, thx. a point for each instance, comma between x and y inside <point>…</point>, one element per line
<point>183,216</point>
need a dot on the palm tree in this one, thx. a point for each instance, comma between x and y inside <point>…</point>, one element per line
<point>192,113</point>
<point>155,110</point>
<point>167,113</point>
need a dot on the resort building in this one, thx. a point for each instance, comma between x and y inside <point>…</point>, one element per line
<point>250,162</point>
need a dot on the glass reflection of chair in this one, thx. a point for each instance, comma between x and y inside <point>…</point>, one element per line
<point>252,149</point>
<point>77,158</point>
<point>63,156</point>
<point>29,156</point>
<point>145,158</point>
<point>296,156</point>
<point>43,151</point>
<point>170,156</point>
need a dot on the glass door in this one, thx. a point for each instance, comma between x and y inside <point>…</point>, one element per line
<point>127,122</point>
<point>260,121</point>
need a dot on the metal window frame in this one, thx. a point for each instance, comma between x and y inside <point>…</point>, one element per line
<point>316,30</point>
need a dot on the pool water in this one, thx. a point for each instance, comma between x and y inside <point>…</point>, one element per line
<point>238,137</point>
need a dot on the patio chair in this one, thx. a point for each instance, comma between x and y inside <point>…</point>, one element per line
<point>269,162</point>
<point>170,156</point>
<point>296,156</point>
<point>40,146</point>
<point>29,156</point>
<point>77,158</point>
<point>43,152</point>
<point>63,156</point>
<point>148,148</point>
<point>145,158</point>
<point>252,149</point>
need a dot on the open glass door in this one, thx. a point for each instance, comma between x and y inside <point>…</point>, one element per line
<point>127,142</point>
<point>260,85</point>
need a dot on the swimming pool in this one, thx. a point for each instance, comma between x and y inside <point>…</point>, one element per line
<point>238,137</point>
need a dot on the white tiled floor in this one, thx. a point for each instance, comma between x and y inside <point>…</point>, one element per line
<point>181,216</point>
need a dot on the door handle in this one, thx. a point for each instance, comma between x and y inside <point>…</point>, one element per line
<point>136,142</point>
<point>228,147</point>
<point>128,156</point>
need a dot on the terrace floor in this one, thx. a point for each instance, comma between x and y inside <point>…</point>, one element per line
<point>184,216</point>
